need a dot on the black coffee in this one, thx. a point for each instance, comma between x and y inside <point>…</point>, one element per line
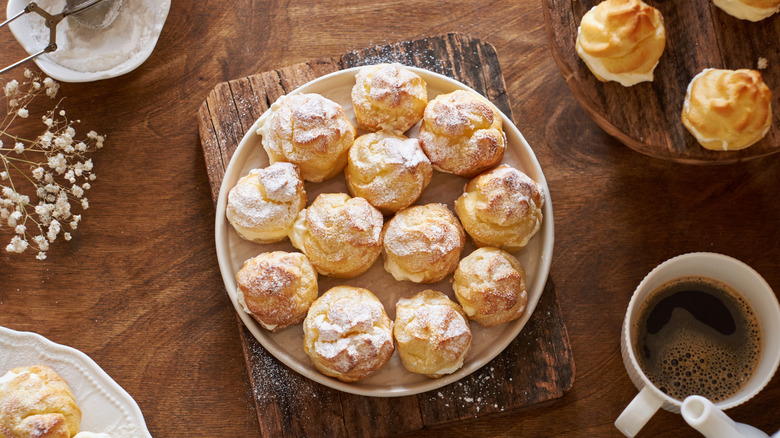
<point>697,336</point>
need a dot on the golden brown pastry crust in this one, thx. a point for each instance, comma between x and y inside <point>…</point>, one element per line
<point>37,403</point>
<point>340,235</point>
<point>388,96</point>
<point>422,243</point>
<point>501,207</point>
<point>622,40</point>
<point>347,333</point>
<point>432,333</point>
<point>310,131</point>
<point>490,285</point>
<point>753,10</point>
<point>461,133</point>
<point>727,109</point>
<point>389,170</point>
<point>263,205</point>
<point>277,288</point>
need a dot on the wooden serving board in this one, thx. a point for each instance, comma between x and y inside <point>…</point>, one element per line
<point>646,116</point>
<point>536,367</point>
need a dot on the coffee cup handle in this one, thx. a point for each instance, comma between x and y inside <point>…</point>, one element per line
<point>636,414</point>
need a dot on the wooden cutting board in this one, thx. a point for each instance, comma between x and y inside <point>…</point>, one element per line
<point>646,116</point>
<point>536,367</point>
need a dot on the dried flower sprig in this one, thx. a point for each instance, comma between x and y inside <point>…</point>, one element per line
<point>54,166</point>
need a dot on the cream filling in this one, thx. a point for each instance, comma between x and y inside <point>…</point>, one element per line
<point>298,232</point>
<point>401,274</point>
<point>745,12</point>
<point>262,125</point>
<point>625,79</point>
<point>461,359</point>
<point>86,434</point>
<point>257,236</point>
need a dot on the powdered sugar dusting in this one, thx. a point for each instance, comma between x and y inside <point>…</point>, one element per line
<point>423,230</point>
<point>266,199</point>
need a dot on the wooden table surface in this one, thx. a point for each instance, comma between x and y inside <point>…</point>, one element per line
<point>138,289</point>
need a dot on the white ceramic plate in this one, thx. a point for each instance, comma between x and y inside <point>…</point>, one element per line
<point>73,70</point>
<point>393,379</point>
<point>105,406</point>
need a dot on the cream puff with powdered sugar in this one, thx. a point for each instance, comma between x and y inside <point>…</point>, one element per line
<point>263,205</point>
<point>432,333</point>
<point>347,334</point>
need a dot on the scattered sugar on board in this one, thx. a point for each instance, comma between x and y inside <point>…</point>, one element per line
<point>277,386</point>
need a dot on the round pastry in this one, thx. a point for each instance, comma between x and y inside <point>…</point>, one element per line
<point>727,110</point>
<point>389,170</point>
<point>340,235</point>
<point>277,288</point>
<point>621,41</point>
<point>432,333</point>
<point>490,285</point>
<point>422,243</point>
<point>388,96</point>
<point>347,333</point>
<point>263,205</point>
<point>461,133</point>
<point>36,402</point>
<point>310,131</point>
<point>753,10</point>
<point>501,207</point>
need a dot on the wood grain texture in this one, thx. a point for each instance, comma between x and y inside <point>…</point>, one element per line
<point>138,290</point>
<point>646,116</point>
<point>538,364</point>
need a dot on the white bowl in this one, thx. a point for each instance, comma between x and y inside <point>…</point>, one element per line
<point>75,70</point>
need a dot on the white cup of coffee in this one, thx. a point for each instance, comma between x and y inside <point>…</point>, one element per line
<point>676,338</point>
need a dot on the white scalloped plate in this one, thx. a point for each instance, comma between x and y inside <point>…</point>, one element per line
<point>21,30</point>
<point>392,379</point>
<point>105,406</point>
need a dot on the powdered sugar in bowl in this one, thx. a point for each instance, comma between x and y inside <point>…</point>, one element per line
<point>85,54</point>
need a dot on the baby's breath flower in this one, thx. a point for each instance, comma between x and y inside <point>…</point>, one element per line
<point>12,88</point>
<point>54,230</point>
<point>55,163</point>
<point>17,245</point>
<point>41,242</point>
<point>13,218</point>
<point>51,87</point>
